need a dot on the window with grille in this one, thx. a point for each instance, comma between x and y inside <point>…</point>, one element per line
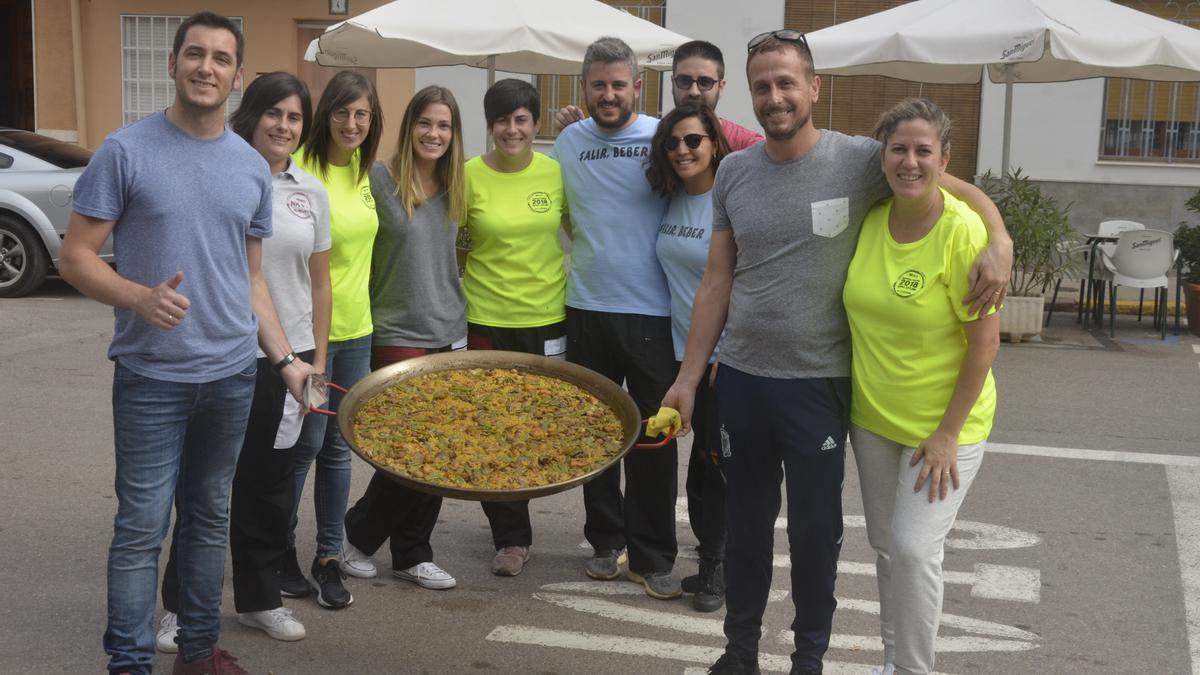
<point>557,91</point>
<point>146,43</point>
<point>1153,121</point>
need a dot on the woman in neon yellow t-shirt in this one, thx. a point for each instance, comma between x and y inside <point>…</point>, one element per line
<point>514,279</point>
<point>339,153</point>
<point>923,395</point>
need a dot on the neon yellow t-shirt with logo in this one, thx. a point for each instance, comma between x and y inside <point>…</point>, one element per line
<point>514,276</point>
<point>904,304</point>
<point>352,223</point>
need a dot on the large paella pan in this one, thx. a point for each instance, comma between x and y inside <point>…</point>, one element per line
<point>603,389</point>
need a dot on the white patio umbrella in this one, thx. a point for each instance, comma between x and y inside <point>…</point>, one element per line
<point>521,36</point>
<point>951,41</point>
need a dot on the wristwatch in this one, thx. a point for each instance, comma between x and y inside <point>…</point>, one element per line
<point>284,362</point>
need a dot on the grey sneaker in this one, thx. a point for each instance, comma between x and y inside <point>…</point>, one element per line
<point>659,585</point>
<point>168,628</point>
<point>510,560</point>
<point>605,565</point>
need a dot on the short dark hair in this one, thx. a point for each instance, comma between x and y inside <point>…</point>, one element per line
<point>209,20</point>
<point>509,95</point>
<point>661,175</point>
<point>702,49</point>
<point>346,87</point>
<point>262,94</point>
<point>774,44</point>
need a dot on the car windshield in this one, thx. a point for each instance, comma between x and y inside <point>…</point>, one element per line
<point>58,153</point>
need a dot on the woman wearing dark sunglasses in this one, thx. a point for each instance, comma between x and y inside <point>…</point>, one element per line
<point>684,154</point>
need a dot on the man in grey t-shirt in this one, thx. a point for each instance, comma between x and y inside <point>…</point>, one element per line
<point>786,216</point>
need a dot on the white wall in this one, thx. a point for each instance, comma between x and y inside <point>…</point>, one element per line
<point>729,26</point>
<point>1056,137</point>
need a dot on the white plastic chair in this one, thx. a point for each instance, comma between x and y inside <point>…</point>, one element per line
<point>1098,276</point>
<point>1141,259</point>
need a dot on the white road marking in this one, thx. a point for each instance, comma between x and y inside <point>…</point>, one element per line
<point>1185,501</point>
<point>1196,349</point>
<point>619,589</point>
<point>630,646</point>
<point>627,613</point>
<point>994,582</point>
<point>1093,455</point>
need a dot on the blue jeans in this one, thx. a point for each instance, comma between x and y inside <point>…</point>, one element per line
<point>168,434</point>
<point>320,439</point>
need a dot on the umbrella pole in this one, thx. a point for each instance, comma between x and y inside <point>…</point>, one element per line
<point>1008,90</point>
<point>491,68</point>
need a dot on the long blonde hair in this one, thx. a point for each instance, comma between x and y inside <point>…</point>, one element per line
<point>449,169</point>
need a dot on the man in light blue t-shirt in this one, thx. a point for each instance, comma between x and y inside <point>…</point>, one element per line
<point>187,204</point>
<point>618,311</point>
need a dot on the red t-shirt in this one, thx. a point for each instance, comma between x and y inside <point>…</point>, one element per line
<point>739,137</point>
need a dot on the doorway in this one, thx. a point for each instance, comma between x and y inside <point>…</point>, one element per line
<point>16,64</point>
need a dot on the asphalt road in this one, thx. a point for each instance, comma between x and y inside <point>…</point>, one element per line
<point>1077,551</point>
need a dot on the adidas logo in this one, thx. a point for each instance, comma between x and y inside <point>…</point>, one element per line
<point>829,443</point>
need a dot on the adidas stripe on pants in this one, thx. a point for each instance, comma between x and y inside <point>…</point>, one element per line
<point>771,428</point>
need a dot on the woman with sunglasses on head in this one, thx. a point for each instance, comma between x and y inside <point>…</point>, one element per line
<point>339,152</point>
<point>514,279</point>
<point>418,306</point>
<point>273,117</point>
<point>684,155</point>
<point>922,391</point>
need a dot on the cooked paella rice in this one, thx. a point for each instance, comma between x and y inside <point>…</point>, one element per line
<point>488,428</point>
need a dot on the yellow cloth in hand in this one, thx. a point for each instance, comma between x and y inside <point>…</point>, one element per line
<point>666,421</point>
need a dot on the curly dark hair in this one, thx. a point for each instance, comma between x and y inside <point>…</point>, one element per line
<point>660,173</point>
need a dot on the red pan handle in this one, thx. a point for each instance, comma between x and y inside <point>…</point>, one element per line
<point>658,444</point>
<point>323,411</point>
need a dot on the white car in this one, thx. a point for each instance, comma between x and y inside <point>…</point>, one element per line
<point>37,180</point>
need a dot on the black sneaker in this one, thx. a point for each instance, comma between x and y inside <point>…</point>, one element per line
<point>711,595</point>
<point>729,664</point>
<point>691,584</point>
<point>292,583</point>
<point>327,579</point>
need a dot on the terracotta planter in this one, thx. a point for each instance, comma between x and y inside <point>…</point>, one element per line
<point>1021,317</point>
<point>1191,294</point>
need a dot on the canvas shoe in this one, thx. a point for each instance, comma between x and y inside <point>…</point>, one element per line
<point>278,623</point>
<point>605,565</point>
<point>357,564</point>
<point>510,560</point>
<point>327,579</point>
<point>887,669</point>
<point>168,628</point>
<point>659,585</point>
<point>426,575</point>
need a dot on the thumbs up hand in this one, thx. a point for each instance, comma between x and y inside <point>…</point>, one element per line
<point>162,306</point>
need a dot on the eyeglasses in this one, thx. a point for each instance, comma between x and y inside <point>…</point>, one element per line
<point>690,140</point>
<point>685,82</point>
<point>362,116</point>
<point>786,35</point>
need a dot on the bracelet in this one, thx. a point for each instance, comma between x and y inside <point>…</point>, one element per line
<point>284,362</point>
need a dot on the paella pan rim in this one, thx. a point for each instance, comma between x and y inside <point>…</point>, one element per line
<point>604,389</point>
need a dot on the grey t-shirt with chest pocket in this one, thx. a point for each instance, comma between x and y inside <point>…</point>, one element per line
<point>795,225</point>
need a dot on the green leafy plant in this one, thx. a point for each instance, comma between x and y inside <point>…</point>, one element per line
<point>1187,240</point>
<point>1041,232</point>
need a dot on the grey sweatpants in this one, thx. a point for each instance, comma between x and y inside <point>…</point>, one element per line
<point>908,533</point>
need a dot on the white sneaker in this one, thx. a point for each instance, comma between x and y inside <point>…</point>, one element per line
<point>168,628</point>
<point>427,575</point>
<point>355,563</point>
<point>278,623</point>
<point>887,669</point>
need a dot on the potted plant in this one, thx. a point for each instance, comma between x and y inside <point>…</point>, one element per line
<point>1187,240</point>
<point>1043,241</point>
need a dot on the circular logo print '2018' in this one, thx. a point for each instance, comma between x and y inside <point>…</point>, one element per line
<point>538,202</point>
<point>908,284</point>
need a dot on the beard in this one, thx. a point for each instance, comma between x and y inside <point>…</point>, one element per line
<point>622,119</point>
<point>786,133</point>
